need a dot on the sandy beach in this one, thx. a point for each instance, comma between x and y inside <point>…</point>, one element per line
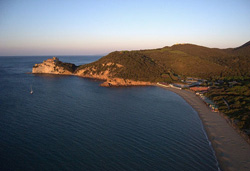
<point>231,150</point>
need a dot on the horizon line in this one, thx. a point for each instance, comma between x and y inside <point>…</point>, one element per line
<point>104,54</point>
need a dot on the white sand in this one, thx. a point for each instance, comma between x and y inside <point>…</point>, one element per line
<point>231,150</point>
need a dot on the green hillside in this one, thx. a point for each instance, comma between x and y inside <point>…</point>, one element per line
<point>183,60</point>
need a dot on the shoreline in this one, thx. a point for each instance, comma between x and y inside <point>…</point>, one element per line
<point>231,150</point>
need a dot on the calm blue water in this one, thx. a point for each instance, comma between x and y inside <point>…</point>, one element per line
<point>72,123</point>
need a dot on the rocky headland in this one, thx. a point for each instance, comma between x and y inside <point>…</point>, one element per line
<point>54,66</point>
<point>167,64</point>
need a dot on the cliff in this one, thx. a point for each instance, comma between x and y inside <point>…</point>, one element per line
<point>54,66</point>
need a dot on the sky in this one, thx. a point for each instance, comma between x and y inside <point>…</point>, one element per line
<point>92,27</point>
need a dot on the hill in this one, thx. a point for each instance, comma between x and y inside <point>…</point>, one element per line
<point>242,50</point>
<point>170,63</point>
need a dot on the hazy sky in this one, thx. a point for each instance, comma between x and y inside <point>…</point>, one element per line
<point>81,27</point>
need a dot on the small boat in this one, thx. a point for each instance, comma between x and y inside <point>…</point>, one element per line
<point>31,91</point>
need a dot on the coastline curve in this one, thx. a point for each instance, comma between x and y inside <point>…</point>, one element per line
<point>231,150</point>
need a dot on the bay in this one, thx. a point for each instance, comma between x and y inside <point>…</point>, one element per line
<point>71,123</point>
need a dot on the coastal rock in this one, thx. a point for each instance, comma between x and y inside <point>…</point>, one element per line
<point>116,82</point>
<point>54,66</point>
<point>90,72</point>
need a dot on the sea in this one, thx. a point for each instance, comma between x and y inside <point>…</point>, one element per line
<point>72,123</point>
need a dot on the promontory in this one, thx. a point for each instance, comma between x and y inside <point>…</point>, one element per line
<point>167,64</point>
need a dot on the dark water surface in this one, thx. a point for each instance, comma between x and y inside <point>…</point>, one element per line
<point>71,123</point>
